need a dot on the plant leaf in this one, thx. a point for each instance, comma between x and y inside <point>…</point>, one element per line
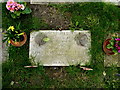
<point>77,23</point>
<point>81,29</point>
<point>109,46</point>
<point>18,13</point>
<point>27,11</point>
<point>13,16</point>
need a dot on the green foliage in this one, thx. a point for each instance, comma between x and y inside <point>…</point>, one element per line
<point>75,26</point>
<point>111,81</point>
<point>93,16</point>
<point>114,45</point>
<point>99,18</point>
<point>13,34</point>
<point>72,70</point>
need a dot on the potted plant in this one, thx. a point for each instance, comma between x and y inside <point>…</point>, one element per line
<point>15,36</point>
<point>111,46</point>
<point>16,9</point>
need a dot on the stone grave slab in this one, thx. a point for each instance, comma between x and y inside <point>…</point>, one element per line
<point>116,2</point>
<point>0,45</point>
<point>63,48</point>
<point>60,1</point>
<point>3,48</point>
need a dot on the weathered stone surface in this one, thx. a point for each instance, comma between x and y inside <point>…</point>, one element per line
<point>0,15</point>
<point>81,39</point>
<point>3,48</point>
<point>112,60</point>
<point>43,1</point>
<point>116,2</point>
<point>0,58</point>
<point>62,48</point>
<point>0,45</point>
<point>39,39</point>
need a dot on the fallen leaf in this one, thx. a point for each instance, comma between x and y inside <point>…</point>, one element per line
<point>46,39</point>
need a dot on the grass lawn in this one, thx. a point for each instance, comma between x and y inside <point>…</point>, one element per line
<point>100,18</point>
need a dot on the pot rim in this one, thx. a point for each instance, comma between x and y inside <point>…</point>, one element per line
<point>17,44</point>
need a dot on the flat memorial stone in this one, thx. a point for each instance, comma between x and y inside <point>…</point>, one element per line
<point>0,45</point>
<point>0,58</point>
<point>3,48</point>
<point>63,48</point>
<point>116,2</point>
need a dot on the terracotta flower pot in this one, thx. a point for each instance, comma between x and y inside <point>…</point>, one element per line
<point>106,50</point>
<point>21,43</point>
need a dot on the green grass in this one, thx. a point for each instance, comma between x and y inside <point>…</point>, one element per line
<point>99,18</point>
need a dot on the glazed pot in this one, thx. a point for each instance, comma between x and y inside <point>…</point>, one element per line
<point>21,43</point>
<point>106,50</point>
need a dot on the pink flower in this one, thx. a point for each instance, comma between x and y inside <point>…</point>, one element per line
<point>15,3</point>
<point>118,39</point>
<point>118,51</point>
<point>12,9</point>
<point>16,9</point>
<point>118,48</point>
<point>18,6</point>
<point>10,2</point>
<point>22,7</point>
<point>14,6</point>
<point>8,6</point>
<point>116,45</point>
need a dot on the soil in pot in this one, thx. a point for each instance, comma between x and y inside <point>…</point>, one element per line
<point>21,38</point>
